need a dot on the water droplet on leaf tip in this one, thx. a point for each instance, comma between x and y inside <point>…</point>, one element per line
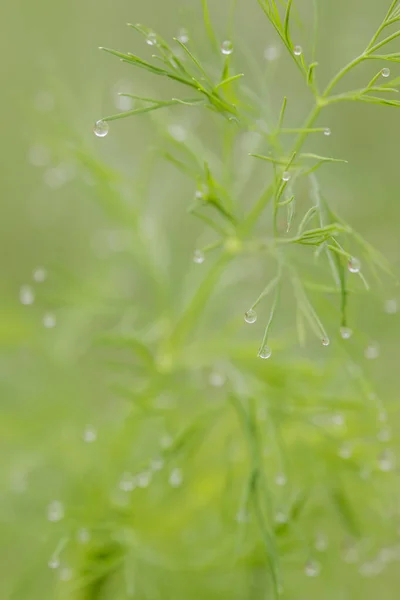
<point>198,257</point>
<point>346,333</point>
<point>325,341</point>
<point>151,39</point>
<point>265,352</point>
<point>354,265</point>
<point>101,128</point>
<point>227,47</point>
<point>250,316</point>
<point>385,72</point>
<point>297,50</point>
<point>327,131</point>
<point>285,176</point>
<point>183,35</point>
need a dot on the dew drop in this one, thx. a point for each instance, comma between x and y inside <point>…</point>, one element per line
<point>297,50</point>
<point>151,39</point>
<point>166,441</point>
<point>385,72</point>
<point>391,307</point>
<point>227,47</point>
<point>127,482</point>
<point>321,542</point>
<point>66,574</point>
<point>54,562</point>
<point>175,478</point>
<point>178,132</point>
<point>183,35</point>
<point>372,351</point>
<point>101,128</point>
<point>286,176</point>
<point>55,511</point>
<point>39,275</point>
<point>281,518</point>
<point>345,451</point>
<point>49,321</point>
<point>265,352</point>
<point>386,461</point>
<point>281,479</point>
<point>250,316</point>
<point>346,333</point>
<point>83,535</point>
<point>216,379</point>
<point>143,479</point>
<point>26,295</point>
<point>325,341</point>
<point>157,464</point>
<point>89,434</point>
<point>327,131</point>
<point>243,516</point>
<point>198,257</point>
<point>312,568</point>
<point>123,103</point>
<point>271,53</point>
<point>354,265</point>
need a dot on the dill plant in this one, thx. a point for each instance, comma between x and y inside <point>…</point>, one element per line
<point>235,474</point>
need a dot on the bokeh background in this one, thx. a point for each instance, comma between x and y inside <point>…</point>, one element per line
<point>96,253</point>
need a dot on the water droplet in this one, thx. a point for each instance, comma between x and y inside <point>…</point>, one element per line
<point>55,511</point>
<point>175,478</point>
<point>385,72</point>
<point>297,50</point>
<point>281,479</point>
<point>127,482</point>
<point>49,321</point>
<point>265,352</point>
<point>143,479</point>
<point>216,379</point>
<point>157,464</point>
<point>151,39</point>
<point>89,434</point>
<point>350,553</point>
<point>372,351</point>
<point>281,518</point>
<point>382,416</point>
<point>227,47</point>
<point>39,156</point>
<point>338,420</point>
<point>345,451</point>
<point>250,316</point>
<point>83,535</point>
<point>325,341</point>
<point>101,128</point>
<point>166,441</point>
<point>386,461</point>
<point>183,35</point>
<point>271,53</point>
<point>327,131</point>
<point>39,275</point>
<point>198,257</point>
<point>354,265</point>
<point>286,176</point>
<point>391,306</point>
<point>384,435</point>
<point>178,132</point>
<point>312,568</point>
<point>26,295</point>
<point>44,101</point>
<point>66,574</point>
<point>346,333</point>
<point>321,542</point>
<point>54,562</point>
<point>243,516</point>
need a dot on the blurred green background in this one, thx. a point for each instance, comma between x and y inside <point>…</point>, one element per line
<point>96,251</point>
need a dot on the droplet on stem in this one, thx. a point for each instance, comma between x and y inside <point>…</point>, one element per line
<point>385,72</point>
<point>346,333</point>
<point>183,35</point>
<point>198,257</point>
<point>285,176</point>
<point>354,265</point>
<point>327,131</point>
<point>151,39</point>
<point>297,50</point>
<point>325,341</point>
<point>101,128</point>
<point>250,316</point>
<point>227,47</point>
<point>265,352</point>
